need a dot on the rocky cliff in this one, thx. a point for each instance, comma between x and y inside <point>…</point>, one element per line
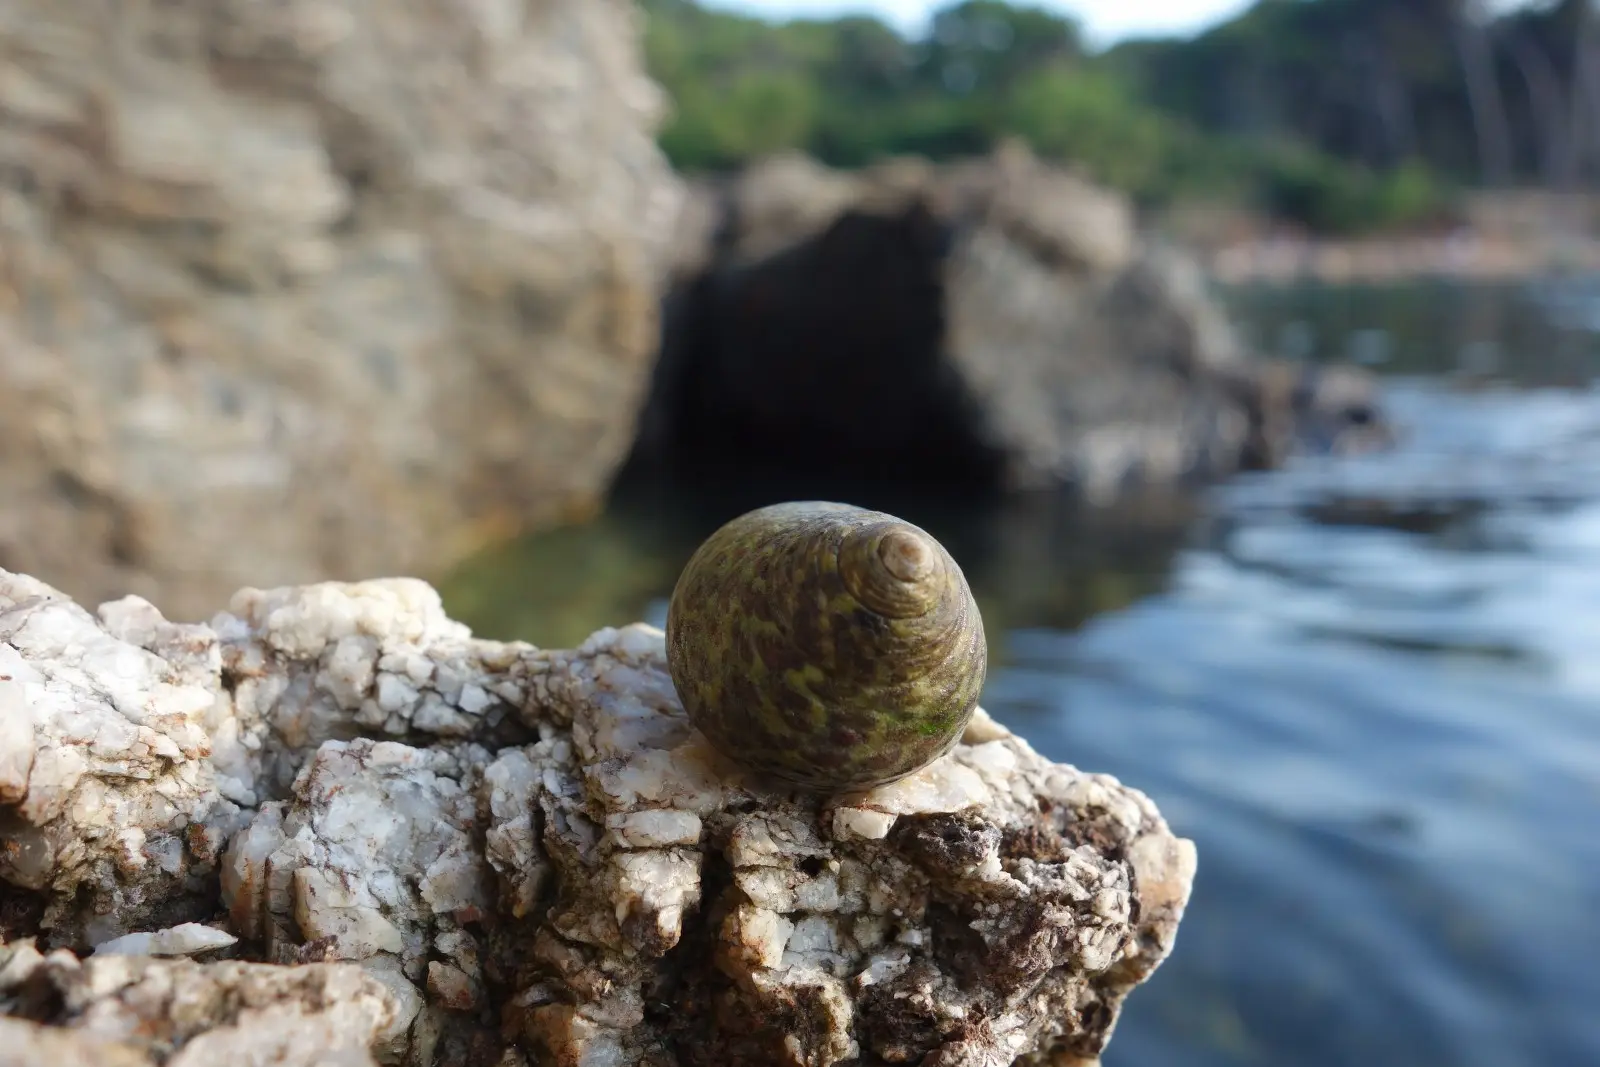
<point>990,323</point>
<point>315,288</point>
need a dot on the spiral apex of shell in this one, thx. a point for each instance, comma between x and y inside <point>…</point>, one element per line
<point>826,647</point>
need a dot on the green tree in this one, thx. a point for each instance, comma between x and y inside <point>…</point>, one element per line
<point>1335,113</point>
<point>1087,118</point>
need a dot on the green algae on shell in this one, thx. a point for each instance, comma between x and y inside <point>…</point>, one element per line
<point>826,647</point>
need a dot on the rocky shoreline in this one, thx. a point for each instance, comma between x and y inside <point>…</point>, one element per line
<point>298,292</point>
<point>997,324</point>
<point>386,841</point>
<point>1496,236</point>
<point>1377,261</point>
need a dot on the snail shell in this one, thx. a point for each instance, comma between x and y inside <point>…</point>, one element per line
<point>826,647</point>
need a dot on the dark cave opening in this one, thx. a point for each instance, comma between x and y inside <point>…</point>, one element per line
<point>818,366</point>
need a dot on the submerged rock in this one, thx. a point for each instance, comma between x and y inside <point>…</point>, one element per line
<point>514,856</point>
<point>270,271</point>
<point>994,323</point>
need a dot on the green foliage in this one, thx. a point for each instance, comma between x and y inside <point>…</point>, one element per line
<point>1249,111</point>
<point>752,114</point>
<point>1087,117</point>
<point>1332,196</point>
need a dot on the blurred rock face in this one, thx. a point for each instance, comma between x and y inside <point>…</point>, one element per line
<point>993,323</point>
<point>315,288</point>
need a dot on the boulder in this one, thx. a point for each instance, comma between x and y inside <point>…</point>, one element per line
<point>392,842</point>
<point>319,288</point>
<point>990,323</point>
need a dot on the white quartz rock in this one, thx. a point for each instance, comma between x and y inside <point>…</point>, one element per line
<point>186,939</point>
<point>114,802</point>
<point>373,854</point>
<point>526,855</point>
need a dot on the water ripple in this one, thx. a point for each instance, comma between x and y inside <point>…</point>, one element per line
<point>1385,737</point>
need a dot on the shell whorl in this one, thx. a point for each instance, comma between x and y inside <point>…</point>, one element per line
<point>892,568</point>
<point>826,646</point>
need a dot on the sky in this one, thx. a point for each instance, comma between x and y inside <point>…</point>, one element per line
<point>1104,21</point>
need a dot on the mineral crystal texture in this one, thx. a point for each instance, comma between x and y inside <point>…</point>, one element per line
<point>377,839</point>
<point>131,1010</point>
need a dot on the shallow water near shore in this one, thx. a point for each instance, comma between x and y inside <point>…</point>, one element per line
<point>1368,688</point>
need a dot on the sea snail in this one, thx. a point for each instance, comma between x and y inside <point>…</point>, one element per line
<point>825,647</point>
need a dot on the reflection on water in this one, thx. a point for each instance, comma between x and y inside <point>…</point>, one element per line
<point>1033,561</point>
<point>1542,333</point>
<point>1368,688</point>
<point>1385,739</point>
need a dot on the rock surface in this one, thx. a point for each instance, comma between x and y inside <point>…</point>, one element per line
<point>130,1010</point>
<point>996,322</point>
<point>441,850</point>
<point>271,271</point>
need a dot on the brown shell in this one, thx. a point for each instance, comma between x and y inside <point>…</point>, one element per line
<point>825,646</point>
